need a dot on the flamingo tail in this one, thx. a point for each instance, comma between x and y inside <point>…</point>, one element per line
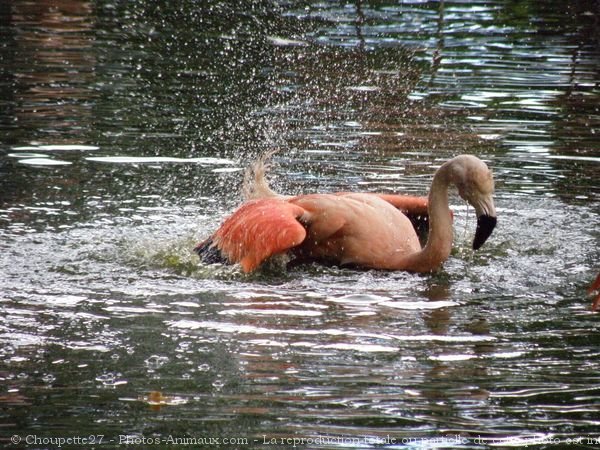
<point>255,182</point>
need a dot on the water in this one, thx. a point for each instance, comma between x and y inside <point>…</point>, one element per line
<point>125,128</point>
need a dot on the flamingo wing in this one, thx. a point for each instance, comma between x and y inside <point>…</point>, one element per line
<point>256,231</point>
<point>408,204</point>
<point>414,207</point>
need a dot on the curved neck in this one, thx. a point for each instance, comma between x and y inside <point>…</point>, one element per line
<point>439,242</point>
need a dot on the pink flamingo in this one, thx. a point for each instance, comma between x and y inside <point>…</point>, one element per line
<point>358,229</point>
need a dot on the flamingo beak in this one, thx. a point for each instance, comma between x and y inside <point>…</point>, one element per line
<point>486,221</point>
<point>485,226</point>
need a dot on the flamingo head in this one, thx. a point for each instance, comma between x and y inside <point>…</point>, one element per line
<point>475,184</point>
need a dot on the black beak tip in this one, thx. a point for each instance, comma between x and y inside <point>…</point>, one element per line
<point>485,226</point>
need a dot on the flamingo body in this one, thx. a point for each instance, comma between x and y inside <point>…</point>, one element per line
<point>325,227</point>
<point>359,229</point>
<point>355,229</point>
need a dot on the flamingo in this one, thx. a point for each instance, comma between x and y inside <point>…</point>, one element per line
<point>352,229</point>
<point>595,287</point>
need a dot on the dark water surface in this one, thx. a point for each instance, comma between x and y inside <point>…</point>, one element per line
<point>124,130</point>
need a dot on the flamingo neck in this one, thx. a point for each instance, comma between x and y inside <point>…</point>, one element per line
<point>439,242</point>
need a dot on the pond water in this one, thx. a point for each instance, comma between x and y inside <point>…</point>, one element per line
<point>125,129</point>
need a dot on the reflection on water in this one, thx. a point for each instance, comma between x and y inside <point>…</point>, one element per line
<point>52,67</point>
<point>125,128</point>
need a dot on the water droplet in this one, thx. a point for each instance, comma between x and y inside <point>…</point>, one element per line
<point>106,379</point>
<point>110,379</point>
<point>48,378</point>
<point>156,362</point>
